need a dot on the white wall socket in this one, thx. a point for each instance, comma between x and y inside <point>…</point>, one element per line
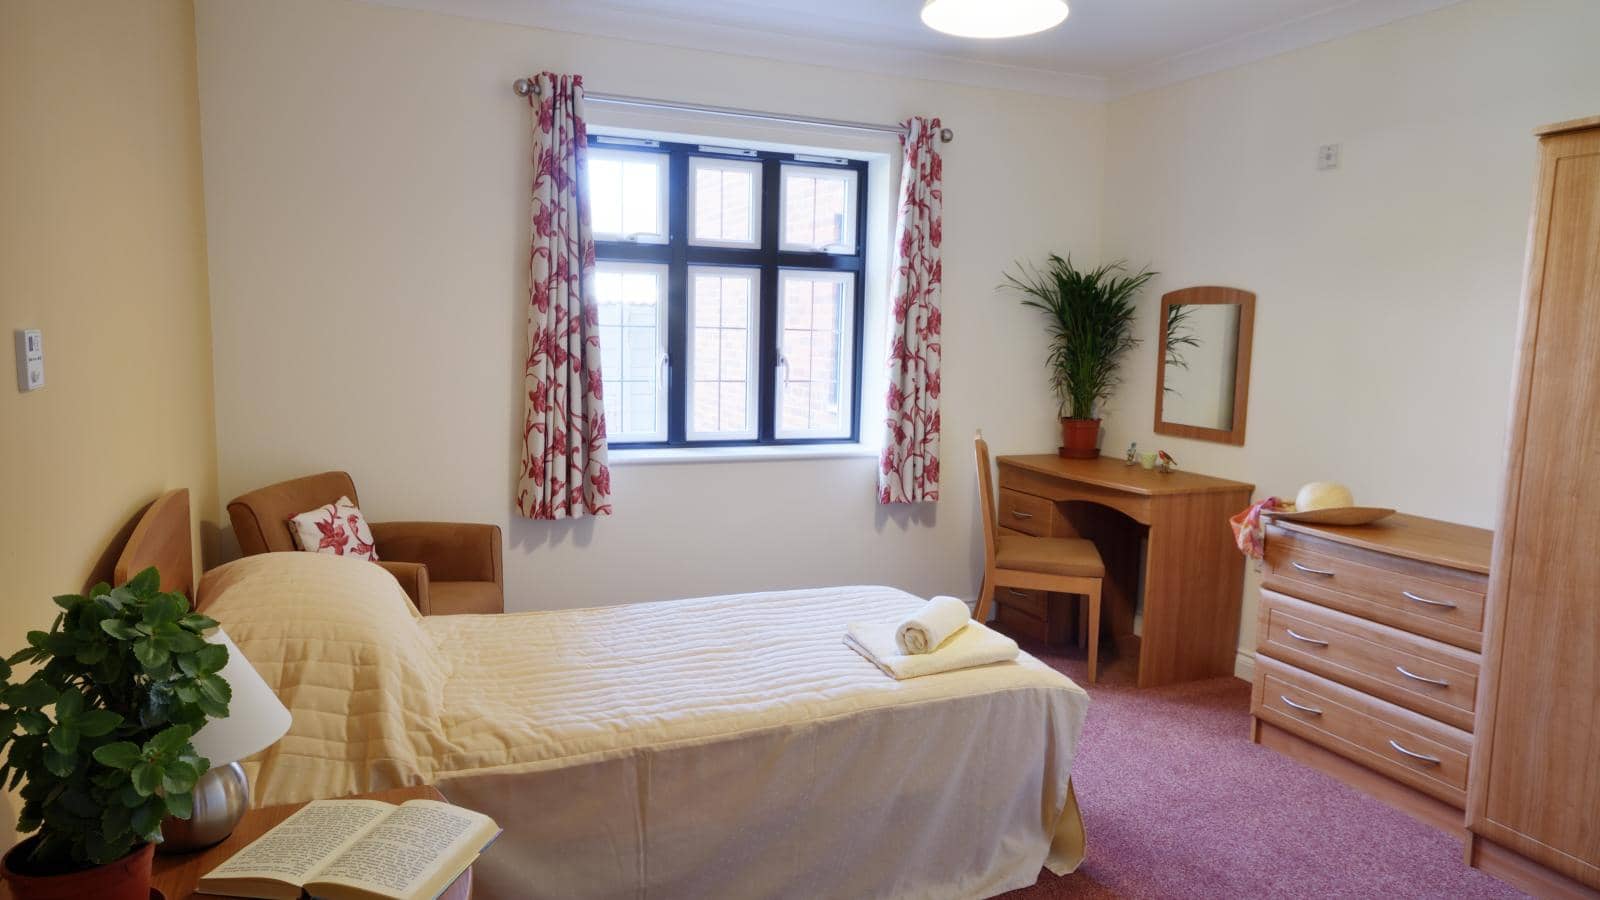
<point>1328,156</point>
<point>30,359</point>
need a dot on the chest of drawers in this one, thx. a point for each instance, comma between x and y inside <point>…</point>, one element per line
<point>1367,649</point>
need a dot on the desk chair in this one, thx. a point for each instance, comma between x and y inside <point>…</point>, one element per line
<point>1055,565</point>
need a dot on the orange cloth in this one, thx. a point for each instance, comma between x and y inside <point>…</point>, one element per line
<point>1248,532</point>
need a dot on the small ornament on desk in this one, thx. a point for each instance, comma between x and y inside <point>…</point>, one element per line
<point>1132,456</point>
<point>1165,463</point>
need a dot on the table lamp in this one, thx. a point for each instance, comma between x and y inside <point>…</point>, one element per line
<point>255,720</point>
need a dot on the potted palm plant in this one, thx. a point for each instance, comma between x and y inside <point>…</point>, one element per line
<point>97,736</point>
<point>1090,319</point>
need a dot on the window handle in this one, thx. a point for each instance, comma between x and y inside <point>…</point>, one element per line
<point>783,363</point>
<point>639,237</point>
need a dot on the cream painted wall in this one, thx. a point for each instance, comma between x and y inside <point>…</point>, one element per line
<point>102,246</point>
<point>1387,289</point>
<point>365,185</point>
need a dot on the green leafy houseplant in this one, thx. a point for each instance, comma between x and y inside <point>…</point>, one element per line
<point>98,734</point>
<point>1090,318</point>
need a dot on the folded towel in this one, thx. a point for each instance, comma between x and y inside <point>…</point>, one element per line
<point>932,625</point>
<point>975,645</point>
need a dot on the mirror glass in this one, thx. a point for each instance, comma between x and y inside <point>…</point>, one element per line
<point>1202,356</point>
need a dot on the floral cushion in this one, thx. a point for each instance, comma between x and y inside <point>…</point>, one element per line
<point>338,528</point>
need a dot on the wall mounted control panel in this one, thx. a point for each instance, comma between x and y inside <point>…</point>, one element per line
<point>30,359</point>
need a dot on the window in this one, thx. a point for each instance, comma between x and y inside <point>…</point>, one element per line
<point>725,200</point>
<point>627,196</point>
<point>633,348</point>
<point>723,321</point>
<point>819,209</point>
<point>730,293</point>
<point>817,312</point>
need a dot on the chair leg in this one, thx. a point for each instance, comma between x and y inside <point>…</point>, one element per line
<point>1094,632</point>
<point>985,599</point>
<point>1083,620</point>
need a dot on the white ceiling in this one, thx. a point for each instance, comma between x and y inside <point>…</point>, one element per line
<point>1105,48</point>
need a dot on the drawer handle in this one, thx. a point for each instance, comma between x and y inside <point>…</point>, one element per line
<point>1016,593</point>
<point>1415,677</point>
<point>1021,515</point>
<point>1310,571</point>
<point>1440,603</point>
<point>1420,757</point>
<point>1305,709</point>
<point>1300,637</point>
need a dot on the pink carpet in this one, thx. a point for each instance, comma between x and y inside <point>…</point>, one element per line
<point>1178,803</point>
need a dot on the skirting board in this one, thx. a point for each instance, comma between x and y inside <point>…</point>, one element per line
<point>1524,874</point>
<point>1244,666</point>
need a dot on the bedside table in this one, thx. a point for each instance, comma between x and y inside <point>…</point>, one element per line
<point>175,876</point>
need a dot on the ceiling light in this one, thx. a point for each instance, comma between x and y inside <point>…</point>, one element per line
<point>993,18</point>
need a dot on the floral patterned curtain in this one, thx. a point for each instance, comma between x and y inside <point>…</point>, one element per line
<point>910,467</point>
<point>564,473</point>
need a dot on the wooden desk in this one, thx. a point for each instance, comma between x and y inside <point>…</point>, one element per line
<point>1192,573</point>
<point>176,876</point>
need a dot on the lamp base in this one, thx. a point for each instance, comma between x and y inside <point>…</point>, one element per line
<point>221,798</point>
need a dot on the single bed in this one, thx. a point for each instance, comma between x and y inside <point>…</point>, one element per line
<point>713,747</point>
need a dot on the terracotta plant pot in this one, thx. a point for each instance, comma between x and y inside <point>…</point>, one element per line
<point>126,879</point>
<point>1080,438</point>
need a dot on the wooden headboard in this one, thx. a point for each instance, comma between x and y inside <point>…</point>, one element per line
<point>161,539</point>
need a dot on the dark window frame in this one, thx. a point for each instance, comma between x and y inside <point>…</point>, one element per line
<point>677,254</point>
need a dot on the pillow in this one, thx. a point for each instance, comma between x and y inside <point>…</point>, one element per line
<point>342,648</point>
<point>338,528</point>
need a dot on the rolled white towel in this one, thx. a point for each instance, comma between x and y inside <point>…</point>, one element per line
<point>970,647</point>
<point>931,625</point>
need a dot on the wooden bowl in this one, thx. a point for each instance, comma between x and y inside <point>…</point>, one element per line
<point>1336,515</point>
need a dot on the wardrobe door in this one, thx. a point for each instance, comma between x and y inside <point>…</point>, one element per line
<point>1536,773</point>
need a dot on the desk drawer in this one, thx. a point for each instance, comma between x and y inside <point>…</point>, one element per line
<point>1026,513</point>
<point>1412,749</point>
<point>1424,675</point>
<point>1440,603</point>
<point>1034,603</point>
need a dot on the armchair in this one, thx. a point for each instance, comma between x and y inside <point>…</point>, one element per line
<point>445,567</point>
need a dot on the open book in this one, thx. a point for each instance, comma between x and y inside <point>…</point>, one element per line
<point>357,850</point>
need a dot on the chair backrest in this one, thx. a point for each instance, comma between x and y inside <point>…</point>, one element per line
<point>261,517</point>
<point>986,498</point>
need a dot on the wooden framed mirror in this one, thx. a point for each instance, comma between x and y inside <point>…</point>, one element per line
<point>1203,370</point>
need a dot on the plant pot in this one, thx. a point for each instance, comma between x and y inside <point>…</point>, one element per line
<point>1080,438</point>
<point>126,879</point>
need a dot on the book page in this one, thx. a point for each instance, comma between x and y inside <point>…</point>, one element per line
<point>302,843</point>
<point>411,847</point>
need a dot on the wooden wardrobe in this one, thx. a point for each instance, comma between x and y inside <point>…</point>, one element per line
<point>1534,785</point>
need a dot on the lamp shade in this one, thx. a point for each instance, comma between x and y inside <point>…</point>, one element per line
<point>256,719</point>
<point>993,18</point>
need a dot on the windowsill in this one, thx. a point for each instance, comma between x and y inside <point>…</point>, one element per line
<point>681,455</point>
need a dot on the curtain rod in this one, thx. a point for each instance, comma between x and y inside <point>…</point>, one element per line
<point>524,87</point>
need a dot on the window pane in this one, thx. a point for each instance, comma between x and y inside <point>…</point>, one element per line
<point>819,209</point>
<point>817,312</point>
<point>723,353</point>
<point>632,313</point>
<point>627,195</point>
<point>726,199</point>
